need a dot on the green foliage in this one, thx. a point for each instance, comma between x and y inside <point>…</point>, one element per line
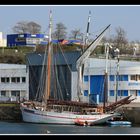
<point>14,55</point>
<point>99,50</point>
<point>8,104</point>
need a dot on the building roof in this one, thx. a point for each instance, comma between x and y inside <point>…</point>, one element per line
<point>61,59</point>
<point>95,62</point>
<point>11,66</point>
<point>71,57</point>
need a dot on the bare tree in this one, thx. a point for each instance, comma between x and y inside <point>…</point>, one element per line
<point>60,32</point>
<point>76,34</point>
<point>27,27</point>
<point>20,27</point>
<point>120,40</point>
<point>33,27</point>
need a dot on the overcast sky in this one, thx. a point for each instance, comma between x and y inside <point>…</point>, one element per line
<point>75,17</point>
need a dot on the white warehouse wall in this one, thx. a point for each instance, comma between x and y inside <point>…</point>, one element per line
<point>12,71</point>
<point>94,66</point>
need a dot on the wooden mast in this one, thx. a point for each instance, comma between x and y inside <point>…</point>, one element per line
<point>106,77</point>
<point>48,78</point>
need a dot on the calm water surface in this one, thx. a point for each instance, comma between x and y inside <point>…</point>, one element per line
<point>50,129</point>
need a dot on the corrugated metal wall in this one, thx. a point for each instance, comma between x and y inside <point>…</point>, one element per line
<point>60,89</point>
<point>64,72</point>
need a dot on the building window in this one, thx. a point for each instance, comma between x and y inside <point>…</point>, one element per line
<point>123,77</point>
<point>3,93</point>
<point>5,79</point>
<point>33,40</point>
<point>85,92</point>
<point>124,92</point>
<point>15,93</point>
<point>15,79</point>
<point>138,77</point>
<point>111,92</point>
<point>23,79</point>
<point>21,35</point>
<point>111,77</point>
<point>135,77</point>
<point>138,93</point>
<point>133,92</point>
<point>86,78</point>
<point>120,77</point>
<point>119,93</point>
<point>20,39</point>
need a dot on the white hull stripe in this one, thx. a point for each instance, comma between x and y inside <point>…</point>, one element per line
<point>48,115</point>
<point>59,116</point>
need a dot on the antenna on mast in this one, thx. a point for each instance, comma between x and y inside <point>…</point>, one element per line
<point>85,40</point>
<point>87,32</point>
<point>50,26</point>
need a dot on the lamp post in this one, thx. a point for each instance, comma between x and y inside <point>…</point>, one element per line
<point>135,49</point>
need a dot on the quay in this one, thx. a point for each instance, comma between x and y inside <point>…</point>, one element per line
<point>10,111</point>
<point>131,112</point>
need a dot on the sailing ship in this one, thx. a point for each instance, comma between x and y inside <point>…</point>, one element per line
<point>64,112</point>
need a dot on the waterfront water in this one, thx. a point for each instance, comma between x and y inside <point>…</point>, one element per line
<point>50,129</point>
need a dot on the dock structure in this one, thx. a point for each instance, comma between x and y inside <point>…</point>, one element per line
<point>10,111</point>
<point>131,112</point>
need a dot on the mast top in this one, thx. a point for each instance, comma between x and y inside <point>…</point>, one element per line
<point>50,26</point>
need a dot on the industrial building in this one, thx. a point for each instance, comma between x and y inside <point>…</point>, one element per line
<point>121,85</point>
<point>66,69</point>
<point>93,77</point>
<point>26,39</point>
<point>2,40</point>
<point>32,40</point>
<point>14,82</point>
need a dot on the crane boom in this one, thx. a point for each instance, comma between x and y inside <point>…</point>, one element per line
<point>90,48</point>
<point>80,62</point>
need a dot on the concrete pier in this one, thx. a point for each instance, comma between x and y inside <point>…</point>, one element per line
<point>131,112</point>
<point>10,111</point>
